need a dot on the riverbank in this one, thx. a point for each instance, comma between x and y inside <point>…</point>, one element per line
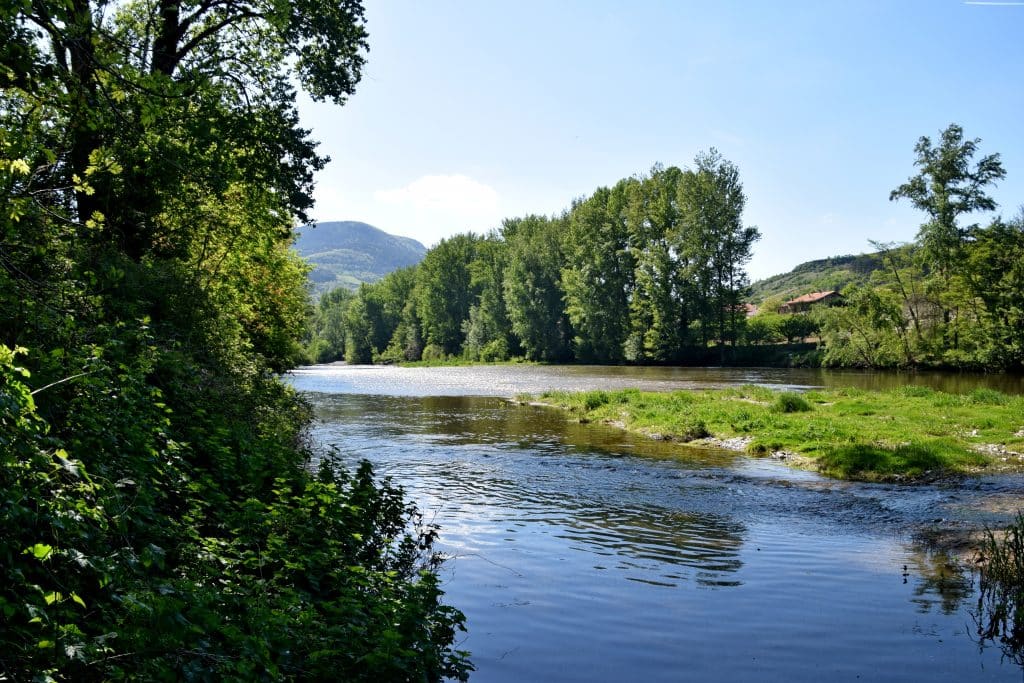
<point>908,434</point>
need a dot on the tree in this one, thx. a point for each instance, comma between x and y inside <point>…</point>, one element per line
<point>598,277</point>
<point>488,331</point>
<point>151,171</point>
<point>658,309</point>
<point>444,291</point>
<point>996,267</point>
<point>946,188</point>
<point>711,203</point>
<point>533,291</point>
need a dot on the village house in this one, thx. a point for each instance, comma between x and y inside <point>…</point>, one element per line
<point>805,302</point>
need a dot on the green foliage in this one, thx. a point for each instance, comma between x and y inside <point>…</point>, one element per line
<point>1000,611</point>
<point>160,522</point>
<point>532,287</point>
<point>599,274</point>
<point>946,188</point>
<point>763,328</point>
<point>595,399</point>
<point>791,402</point>
<point>716,242</point>
<point>205,571</point>
<point>444,291</point>
<point>433,352</point>
<point>797,326</point>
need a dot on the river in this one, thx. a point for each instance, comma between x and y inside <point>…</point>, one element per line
<point>581,553</point>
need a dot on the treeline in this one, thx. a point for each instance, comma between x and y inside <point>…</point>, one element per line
<point>954,298</point>
<point>651,270</point>
<point>160,519</point>
<point>645,271</point>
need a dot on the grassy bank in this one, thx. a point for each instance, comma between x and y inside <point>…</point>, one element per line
<point>907,433</point>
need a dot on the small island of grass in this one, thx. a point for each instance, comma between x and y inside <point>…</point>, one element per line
<point>907,434</point>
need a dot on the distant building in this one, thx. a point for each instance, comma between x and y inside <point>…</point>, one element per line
<point>805,302</point>
<point>750,310</point>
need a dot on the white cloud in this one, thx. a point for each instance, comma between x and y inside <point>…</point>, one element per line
<point>456,194</point>
<point>437,206</point>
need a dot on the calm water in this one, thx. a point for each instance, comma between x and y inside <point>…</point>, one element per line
<point>583,554</point>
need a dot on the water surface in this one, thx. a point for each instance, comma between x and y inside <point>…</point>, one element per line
<point>582,553</point>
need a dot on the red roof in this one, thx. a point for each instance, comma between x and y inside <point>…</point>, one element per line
<point>811,298</point>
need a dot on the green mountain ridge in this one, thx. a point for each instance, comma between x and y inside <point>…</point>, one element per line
<point>834,272</point>
<point>349,253</point>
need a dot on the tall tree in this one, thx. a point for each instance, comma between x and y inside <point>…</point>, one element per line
<point>488,330</point>
<point>445,291</point>
<point>599,274</point>
<point>948,186</point>
<point>711,203</point>
<point>533,291</point>
<point>657,311</point>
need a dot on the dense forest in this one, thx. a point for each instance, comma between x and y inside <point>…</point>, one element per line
<point>651,270</point>
<point>644,271</point>
<point>161,518</point>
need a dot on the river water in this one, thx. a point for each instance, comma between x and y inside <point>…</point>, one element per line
<point>581,553</point>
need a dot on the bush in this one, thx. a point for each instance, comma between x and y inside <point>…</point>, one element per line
<point>692,430</point>
<point>433,352</point>
<point>593,400</point>
<point>790,402</point>
<point>212,555</point>
<point>494,351</point>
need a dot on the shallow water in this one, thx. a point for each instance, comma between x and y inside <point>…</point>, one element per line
<point>582,553</point>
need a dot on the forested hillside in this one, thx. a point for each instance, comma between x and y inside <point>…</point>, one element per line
<point>349,253</point>
<point>832,273</point>
<point>160,520</point>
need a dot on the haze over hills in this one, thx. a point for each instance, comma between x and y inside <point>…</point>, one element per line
<point>819,275</point>
<point>348,253</point>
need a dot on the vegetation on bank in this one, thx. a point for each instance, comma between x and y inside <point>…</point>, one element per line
<point>999,615</point>
<point>846,433</point>
<point>160,518</point>
<point>651,271</point>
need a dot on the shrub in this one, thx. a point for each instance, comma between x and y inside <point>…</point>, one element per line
<point>595,399</point>
<point>790,402</point>
<point>494,351</point>
<point>692,430</point>
<point>433,352</point>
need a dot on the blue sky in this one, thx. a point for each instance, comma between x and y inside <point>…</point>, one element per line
<point>469,112</point>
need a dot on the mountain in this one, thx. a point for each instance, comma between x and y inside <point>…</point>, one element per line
<point>347,253</point>
<point>816,276</point>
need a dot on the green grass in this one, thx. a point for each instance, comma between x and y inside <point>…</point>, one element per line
<point>910,432</point>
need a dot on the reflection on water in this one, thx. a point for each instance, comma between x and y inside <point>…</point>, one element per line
<point>583,553</point>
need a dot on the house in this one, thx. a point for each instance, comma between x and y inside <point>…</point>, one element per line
<point>805,302</point>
